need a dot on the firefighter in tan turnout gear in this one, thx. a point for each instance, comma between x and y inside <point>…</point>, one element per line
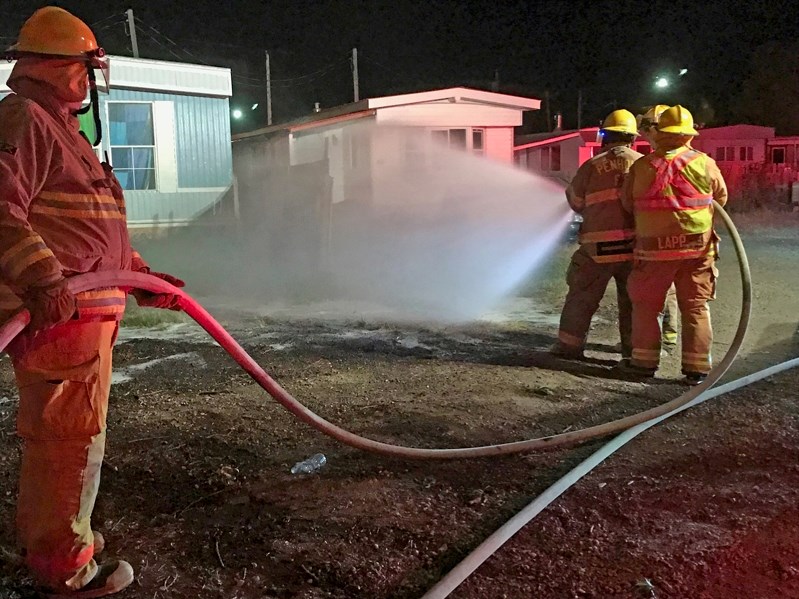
<point>606,238</point>
<point>670,192</point>
<point>647,128</point>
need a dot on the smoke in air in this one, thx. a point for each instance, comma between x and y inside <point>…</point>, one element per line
<point>369,215</point>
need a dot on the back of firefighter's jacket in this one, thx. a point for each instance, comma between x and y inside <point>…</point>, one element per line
<point>607,232</point>
<point>671,195</point>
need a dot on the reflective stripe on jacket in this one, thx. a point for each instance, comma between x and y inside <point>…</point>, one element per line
<point>607,231</point>
<point>671,195</point>
<point>62,212</point>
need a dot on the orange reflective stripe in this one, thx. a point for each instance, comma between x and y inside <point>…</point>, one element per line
<point>604,195</point>
<point>102,294</point>
<point>73,213</point>
<point>669,254</point>
<point>646,358</point>
<point>18,247</point>
<point>84,198</point>
<point>612,235</point>
<point>19,267</point>
<point>613,258</point>
<point>569,339</point>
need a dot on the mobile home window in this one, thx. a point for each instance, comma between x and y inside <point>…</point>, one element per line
<point>778,155</point>
<point>746,153</point>
<point>454,138</point>
<point>721,153</point>
<point>477,141</point>
<point>132,142</point>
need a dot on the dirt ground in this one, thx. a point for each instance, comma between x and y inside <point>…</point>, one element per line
<point>198,496</point>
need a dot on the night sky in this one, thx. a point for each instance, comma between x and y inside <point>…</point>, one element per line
<point>612,51</point>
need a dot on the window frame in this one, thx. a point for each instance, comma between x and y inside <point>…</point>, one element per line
<point>156,174</point>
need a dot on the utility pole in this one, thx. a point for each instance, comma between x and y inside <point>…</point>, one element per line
<point>268,90</point>
<point>579,108</point>
<point>132,29</point>
<point>355,91</point>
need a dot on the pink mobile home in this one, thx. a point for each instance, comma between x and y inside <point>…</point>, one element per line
<point>558,154</point>
<point>478,121</point>
<point>307,178</point>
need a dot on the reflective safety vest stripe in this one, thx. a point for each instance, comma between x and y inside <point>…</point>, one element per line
<point>615,235</point>
<point>604,195</point>
<point>674,218</point>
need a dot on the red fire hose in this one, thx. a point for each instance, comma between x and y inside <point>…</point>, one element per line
<point>150,283</point>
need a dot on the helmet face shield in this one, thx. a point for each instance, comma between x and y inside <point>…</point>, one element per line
<point>101,62</point>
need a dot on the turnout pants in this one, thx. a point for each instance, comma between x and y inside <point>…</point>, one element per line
<point>695,282</point>
<point>64,379</point>
<point>587,282</point>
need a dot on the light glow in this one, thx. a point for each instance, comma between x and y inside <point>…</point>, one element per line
<point>237,114</point>
<point>661,82</point>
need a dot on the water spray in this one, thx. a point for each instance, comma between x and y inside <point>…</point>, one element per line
<point>191,307</point>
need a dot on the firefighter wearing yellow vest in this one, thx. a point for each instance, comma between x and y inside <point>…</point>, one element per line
<point>647,128</point>
<point>606,238</point>
<point>670,193</point>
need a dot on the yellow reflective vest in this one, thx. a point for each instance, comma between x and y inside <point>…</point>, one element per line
<point>670,194</point>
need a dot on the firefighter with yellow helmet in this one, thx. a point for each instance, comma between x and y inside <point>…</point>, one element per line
<point>670,192</point>
<point>62,213</point>
<point>647,128</point>
<point>606,238</point>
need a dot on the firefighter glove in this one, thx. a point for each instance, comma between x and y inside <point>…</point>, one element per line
<point>165,301</point>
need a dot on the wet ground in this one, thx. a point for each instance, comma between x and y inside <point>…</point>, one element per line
<point>198,496</point>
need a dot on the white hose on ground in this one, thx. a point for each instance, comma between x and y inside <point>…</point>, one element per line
<point>487,548</point>
<point>153,284</point>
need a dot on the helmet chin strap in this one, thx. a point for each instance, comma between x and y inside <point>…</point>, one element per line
<point>94,105</point>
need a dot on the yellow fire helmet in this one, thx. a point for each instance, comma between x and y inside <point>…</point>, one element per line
<point>621,121</point>
<point>651,116</point>
<point>677,119</point>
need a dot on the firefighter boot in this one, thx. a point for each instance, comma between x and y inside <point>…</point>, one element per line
<point>111,578</point>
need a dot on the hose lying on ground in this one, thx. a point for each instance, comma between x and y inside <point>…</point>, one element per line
<point>487,548</point>
<point>222,337</point>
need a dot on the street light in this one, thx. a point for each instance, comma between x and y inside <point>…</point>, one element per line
<point>661,82</point>
<point>237,114</point>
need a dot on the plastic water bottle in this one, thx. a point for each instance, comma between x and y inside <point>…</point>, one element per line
<point>313,464</point>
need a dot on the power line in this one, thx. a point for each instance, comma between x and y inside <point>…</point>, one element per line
<point>116,15</point>
<point>174,48</point>
<point>164,46</point>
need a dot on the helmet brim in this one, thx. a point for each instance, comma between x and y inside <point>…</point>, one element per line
<point>679,130</point>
